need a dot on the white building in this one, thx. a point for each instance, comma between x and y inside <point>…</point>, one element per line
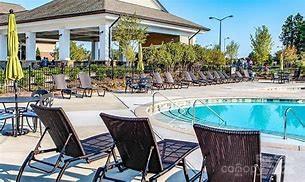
<point>90,20</point>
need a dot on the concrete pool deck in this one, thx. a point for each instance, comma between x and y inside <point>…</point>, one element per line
<point>84,116</point>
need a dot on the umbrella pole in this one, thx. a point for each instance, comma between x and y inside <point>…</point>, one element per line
<point>15,89</point>
<point>15,131</point>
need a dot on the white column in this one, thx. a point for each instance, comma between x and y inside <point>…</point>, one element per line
<point>3,47</point>
<point>30,49</point>
<point>97,51</point>
<point>104,42</point>
<point>93,51</point>
<point>64,45</point>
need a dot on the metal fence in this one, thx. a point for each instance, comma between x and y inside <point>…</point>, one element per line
<point>41,77</point>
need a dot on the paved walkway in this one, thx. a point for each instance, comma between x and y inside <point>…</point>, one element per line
<point>84,116</point>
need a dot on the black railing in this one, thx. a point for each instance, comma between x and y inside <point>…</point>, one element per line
<point>41,77</point>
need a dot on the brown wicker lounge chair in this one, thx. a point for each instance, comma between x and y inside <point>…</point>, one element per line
<point>236,156</point>
<point>188,78</point>
<point>61,85</point>
<point>171,83</point>
<point>139,150</point>
<point>203,77</point>
<point>224,77</point>
<point>232,77</point>
<point>246,75</point>
<point>194,78</point>
<point>87,87</point>
<point>239,76</point>
<point>158,81</point>
<point>218,77</point>
<point>211,77</point>
<point>67,143</point>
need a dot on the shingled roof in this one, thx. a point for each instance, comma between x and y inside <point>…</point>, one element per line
<point>5,7</point>
<point>66,8</point>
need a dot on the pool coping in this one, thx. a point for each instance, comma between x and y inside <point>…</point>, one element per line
<point>267,140</point>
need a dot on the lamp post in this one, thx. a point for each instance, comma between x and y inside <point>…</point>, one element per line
<point>220,26</point>
<point>224,43</point>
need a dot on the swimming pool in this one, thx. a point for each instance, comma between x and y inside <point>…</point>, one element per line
<point>266,116</point>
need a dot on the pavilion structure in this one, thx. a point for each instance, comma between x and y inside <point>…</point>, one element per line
<point>61,21</point>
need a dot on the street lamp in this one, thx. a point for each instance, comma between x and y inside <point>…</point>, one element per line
<point>220,27</point>
<point>224,43</point>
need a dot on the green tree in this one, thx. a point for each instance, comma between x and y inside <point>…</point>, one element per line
<point>302,39</point>
<point>291,32</point>
<point>189,56</point>
<point>176,52</point>
<point>290,55</point>
<point>37,52</point>
<point>261,43</point>
<point>232,50</point>
<point>202,54</point>
<point>78,52</point>
<point>38,57</point>
<point>165,57</point>
<point>129,33</point>
<point>217,57</point>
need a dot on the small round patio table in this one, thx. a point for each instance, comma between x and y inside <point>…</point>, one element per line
<point>16,131</point>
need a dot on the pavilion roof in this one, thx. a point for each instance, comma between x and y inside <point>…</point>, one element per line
<point>57,9</point>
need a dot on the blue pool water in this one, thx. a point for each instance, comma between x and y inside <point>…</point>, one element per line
<point>267,117</point>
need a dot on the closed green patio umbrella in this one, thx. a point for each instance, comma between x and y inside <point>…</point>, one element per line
<point>140,66</point>
<point>13,68</point>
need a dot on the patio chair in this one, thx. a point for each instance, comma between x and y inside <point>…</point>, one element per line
<point>190,80</point>
<point>275,78</point>
<point>4,116</point>
<point>67,144</point>
<point>297,74</point>
<point>61,85</point>
<point>129,84</point>
<point>158,81</point>
<point>87,87</point>
<point>139,150</point>
<point>45,101</point>
<point>171,83</point>
<point>203,77</point>
<point>142,84</point>
<point>236,156</point>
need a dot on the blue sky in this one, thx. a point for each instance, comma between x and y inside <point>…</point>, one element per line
<point>248,14</point>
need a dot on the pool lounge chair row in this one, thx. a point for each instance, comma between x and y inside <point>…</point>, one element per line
<point>229,155</point>
<point>197,79</point>
<point>86,86</point>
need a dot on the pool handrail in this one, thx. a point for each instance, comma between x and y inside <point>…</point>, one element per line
<point>210,109</point>
<point>154,102</point>
<point>286,120</point>
<point>179,107</point>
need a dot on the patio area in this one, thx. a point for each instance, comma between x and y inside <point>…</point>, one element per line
<point>84,115</point>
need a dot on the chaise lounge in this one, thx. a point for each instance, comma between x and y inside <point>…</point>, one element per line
<point>69,147</point>
<point>139,150</point>
<point>87,87</point>
<point>236,156</point>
